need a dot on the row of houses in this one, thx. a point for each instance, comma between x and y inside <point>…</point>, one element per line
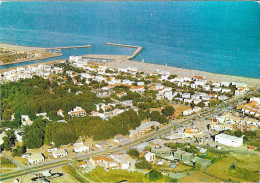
<point>252,108</point>
<point>234,121</point>
<point>41,70</point>
<point>117,161</point>
<point>56,153</point>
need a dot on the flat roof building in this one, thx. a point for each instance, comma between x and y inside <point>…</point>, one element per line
<point>229,140</point>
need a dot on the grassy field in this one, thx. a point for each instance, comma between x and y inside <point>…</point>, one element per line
<point>199,177</point>
<point>178,168</point>
<point>101,175</point>
<point>71,171</point>
<point>181,167</point>
<point>248,161</point>
<point>6,163</point>
<point>221,169</point>
<point>179,108</point>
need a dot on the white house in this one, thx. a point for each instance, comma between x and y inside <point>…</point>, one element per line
<point>196,109</point>
<point>26,120</point>
<point>229,140</point>
<point>122,69</point>
<point>222,97</point>
<point>225,90</point>
<point>122,161</point>
<point>75,58</point>
<point>60,113</point>
<point>186,95</point>
<point>19,135</point>
<point>78,148</point>
<point>200,83</point>
<point>187,112</point>
<point>240,91</point>
<point>2,135</point>
<point>35,158</point>
<point>149,157</point>
<point>220,127</point>
<point>225,83</point>
<point>120,139</point>
<point>188,100</point>
<point>216,84</point>
<point>78,111</point>
<point>216,89</point>
<point>206,87</point>
<point>59,153</point>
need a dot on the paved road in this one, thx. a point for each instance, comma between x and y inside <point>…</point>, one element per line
<point>62,162</point>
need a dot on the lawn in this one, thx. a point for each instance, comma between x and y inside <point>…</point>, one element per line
<point>101,175</point>
<point>199,177</point>
<point>221,169</point>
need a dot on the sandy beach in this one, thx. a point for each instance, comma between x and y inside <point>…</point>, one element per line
<point>149,67</point>
<point>21,48</point>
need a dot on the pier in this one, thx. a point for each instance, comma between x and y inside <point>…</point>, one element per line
<point>134,54</point>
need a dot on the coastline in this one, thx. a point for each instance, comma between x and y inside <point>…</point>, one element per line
<point>151,67</point>
<point>121,61</point>
<point>33,59</point>
<point>21,48</point>
<point>44,54</point>
<point>40,63</point>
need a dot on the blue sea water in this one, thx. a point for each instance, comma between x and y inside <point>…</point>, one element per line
<point>220,37</point>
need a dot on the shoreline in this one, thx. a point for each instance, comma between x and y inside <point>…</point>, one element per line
<point>151,67</point>
<point>17,48</point>
<point>180,72</point>
<point>21,48</point>
<point>141,66</point>
<point>28,60</point>
<point>48,62</point>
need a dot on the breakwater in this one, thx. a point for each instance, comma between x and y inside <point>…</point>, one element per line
<point>134,54</point>
<point>69,47</point>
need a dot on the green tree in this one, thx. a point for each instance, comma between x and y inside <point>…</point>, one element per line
<point>154,175</point>
<point>198,166</point>
<point>201,104</point>
<point>34,134</point>
<point>133,152</point>
<point>162,119</point>
<point>7,144</point>
<point>168,111</point>
<point>143,164</point>
<point>238,133</point>
<point>154,116</point>
<point>19,151</point>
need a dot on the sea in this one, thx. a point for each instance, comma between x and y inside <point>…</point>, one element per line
<point>214,36</point>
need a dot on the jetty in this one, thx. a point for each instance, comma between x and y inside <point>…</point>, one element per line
<point>69,47</point>
<point>134,54</point>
